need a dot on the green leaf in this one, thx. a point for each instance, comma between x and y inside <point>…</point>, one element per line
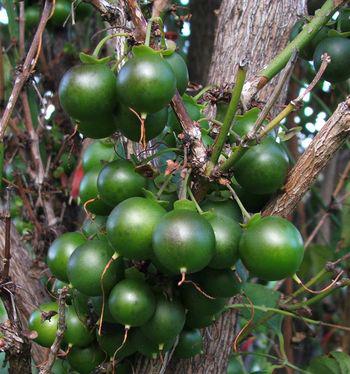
<point>324,365</point>
<point>265,297</point>
<point>90,59</point>
<point>343,361</point>
<point>248,117</point>
<point>289,134</point>
<point>315,259</point>
<point>151,196</point>
<point>255,218</point>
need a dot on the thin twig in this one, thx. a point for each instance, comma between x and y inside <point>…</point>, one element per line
<point>7,245</point>
<point>46,368</point>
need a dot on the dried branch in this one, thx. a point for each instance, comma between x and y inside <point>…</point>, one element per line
<point>7,247</point>
<point>28,65</point>
<point>324,145</point>
<point>110,13</point>
<point>46,367</point>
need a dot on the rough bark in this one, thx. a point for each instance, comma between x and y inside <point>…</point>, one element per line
<point>28,290</point>
<point>324,145</point>
<point>203,24</point>
<point>255,30</point>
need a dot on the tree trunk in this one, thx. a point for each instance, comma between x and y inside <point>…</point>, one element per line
<point>260,28</point>
<point>203,24</point>
<point>27,289</point>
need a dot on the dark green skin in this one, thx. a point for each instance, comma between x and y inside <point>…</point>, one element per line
<point>88,92</point>
<point>60,251</point>
<point>313,5</point>
<point>58,285</point>
<point>198,320</point>
<point>77,332</point>
<point>46,329</point>
<point>62,10</point>
<point>88,190</point>
<point>96,154</point>
<point>308,51</point>
<point>198,303</point>
<point>263,168</point>
<point>80,302</point>
<point>132,302</point>
<point>130,126</point>
<point>218,283</point>
<point>94,227</point>
<point>111,340</point>
<point>98,128</point>
<point>339,49</point>
<point>191,109</point>
<point>344,20</point>
<point>96,302</point>
<point>149,349</point>
<point>227,208</point>
<point>184,242</point>
<point>85,360</point>
<point>190,344</point>
<point>130,227</point>
<point>60,367</point>
<point>119,181</point>
<point>146,83</point>
<point>180,70</point>
<point>32,17</point>
<point>83,10</point>
<point>272,248</point>
<point>166,323</point>
<point>252,202</point>
<point>227,236</point>
<point>86,265</point>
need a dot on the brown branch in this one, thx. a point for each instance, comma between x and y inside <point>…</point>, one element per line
<point>2,76</point>
<point>28,66</point>
<point>110,13</point>
<point>138,20</point>
<point>160,6</point>
<point>46,367</point>
<point>7,247</point>
<point>21,29</point>
<point>324,145</point>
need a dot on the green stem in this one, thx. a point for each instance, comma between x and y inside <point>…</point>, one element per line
<point>306,35</point>
<point>159,21</point>
<point>103,41</point>
<point>231,111</point>
<point>239,203</point>
<point>164,185</point>
<point>183,187</point>
<point>199,209</point>
<point>235,156</point>
<point>202,92</point>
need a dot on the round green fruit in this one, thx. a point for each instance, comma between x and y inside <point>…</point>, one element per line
<point>190,344</point>
<point>94,227</point>
<point>83,10</point>
<point>60,367</point>
<point>80,302</point>
<point>149,349</point>
<point>111,341</point>
<point>263,168</point>
<point>96,154</point>
<point>32,17</point>
<point>85,360</point>
<point>166,323</point>
<point>130,227</point>
<point>227,236</point>
<point>99,128</point>
<point>252,202</point>
<point>88,262</point>
<point>198,320</point>
<point>344,20</point>
<point>46,327</point>
<point>88,91</point>
<point>130,126</point>
<point>180,70</point>
<point>338,49</point>
<point>88,191</point>
<point>218,283</point>
<point>61,13</point>
<point>146,83</point>
<point>77,332</point>
<point>60,251</point>
<point>184,241</point>
<point>271,248</point>
<point>200,304</point>
<point>131,302</point>
<point>227,208</point>
<point>119,181</point>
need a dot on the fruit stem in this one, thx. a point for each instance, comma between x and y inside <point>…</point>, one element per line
<point>164,185</point>
<point>183,277</point>
<point>183,187</point>
<point>231,111</point>
<point>199,209</point>
<point>102,42</point>
<point>245,213</point>
<point>202,92</point>
<point>159,21</point>
<point>127,328</point>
